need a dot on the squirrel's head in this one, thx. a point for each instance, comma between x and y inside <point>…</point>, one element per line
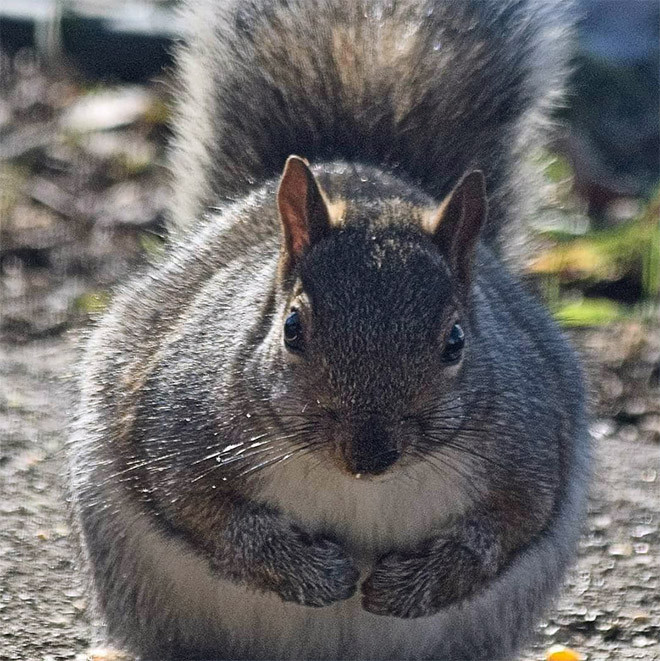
<point>373,328</point>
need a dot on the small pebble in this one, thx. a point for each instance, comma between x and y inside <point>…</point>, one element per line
<point>643,531</point>
<point>620,550</point>
<point>601,522</point>
<point>649,475</point>
<point>104,654</point>
<point>642,641</point>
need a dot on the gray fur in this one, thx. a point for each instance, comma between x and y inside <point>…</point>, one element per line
<point>220,516</point>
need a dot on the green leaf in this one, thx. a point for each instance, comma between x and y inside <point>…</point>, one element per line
<point>589,312</point>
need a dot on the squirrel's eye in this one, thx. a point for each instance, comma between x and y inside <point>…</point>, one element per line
<point>454,345</point>
<point>293,331</point>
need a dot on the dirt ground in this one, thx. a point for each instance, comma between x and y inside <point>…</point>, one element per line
<point>81,201</point>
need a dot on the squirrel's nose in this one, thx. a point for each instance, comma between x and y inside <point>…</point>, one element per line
<point>371,450</point>
<point>373,464</point>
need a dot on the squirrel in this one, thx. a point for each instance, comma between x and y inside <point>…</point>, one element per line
<point>330,423</point>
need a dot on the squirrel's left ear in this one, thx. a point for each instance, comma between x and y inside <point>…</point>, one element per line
<point>303,211</point>
<point>456,224</point>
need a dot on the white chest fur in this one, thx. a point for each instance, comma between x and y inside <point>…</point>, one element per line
<point>369,516</point>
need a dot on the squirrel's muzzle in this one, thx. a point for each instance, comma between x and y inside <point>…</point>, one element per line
<point>370,449</point>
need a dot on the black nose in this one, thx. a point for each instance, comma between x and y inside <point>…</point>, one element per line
<point>372,449</point>
<point>374,464</point>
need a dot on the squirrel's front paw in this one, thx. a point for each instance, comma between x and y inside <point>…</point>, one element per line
<point>319,573</point>
<point>418,585</point>
<point>401,586</point>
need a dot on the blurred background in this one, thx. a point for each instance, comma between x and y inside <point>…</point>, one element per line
<point>83,125</point>
<point>85,88</point>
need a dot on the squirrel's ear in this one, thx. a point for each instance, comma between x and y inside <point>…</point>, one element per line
<point>303,210</point>
<point>456,224</point>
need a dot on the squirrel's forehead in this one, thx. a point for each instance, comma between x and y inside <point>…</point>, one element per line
<point>385,266</point>
<point>373,250</point>
<point>420,289</point>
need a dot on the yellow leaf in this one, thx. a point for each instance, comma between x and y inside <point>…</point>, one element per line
<point>579,257</point>
<point>561,653</point>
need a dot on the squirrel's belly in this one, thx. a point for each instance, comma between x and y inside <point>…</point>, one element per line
<point>261,626</point>
<point>228,621</point>
<point>215,618</point>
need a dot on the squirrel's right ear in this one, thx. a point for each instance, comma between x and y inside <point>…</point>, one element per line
<point>303,211</point>
<point>456,225</point>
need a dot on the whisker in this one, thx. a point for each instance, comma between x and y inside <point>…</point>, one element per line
<point>141,463</point>
<point>441,464</point>
<point>298,452</point>
<point>291,447</point>
<point>451,443</point>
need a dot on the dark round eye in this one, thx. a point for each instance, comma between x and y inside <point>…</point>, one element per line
<point>454,345</point>
<point>293,331</point>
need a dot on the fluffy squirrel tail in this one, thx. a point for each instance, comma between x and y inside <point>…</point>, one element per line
<point>424,89</point>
